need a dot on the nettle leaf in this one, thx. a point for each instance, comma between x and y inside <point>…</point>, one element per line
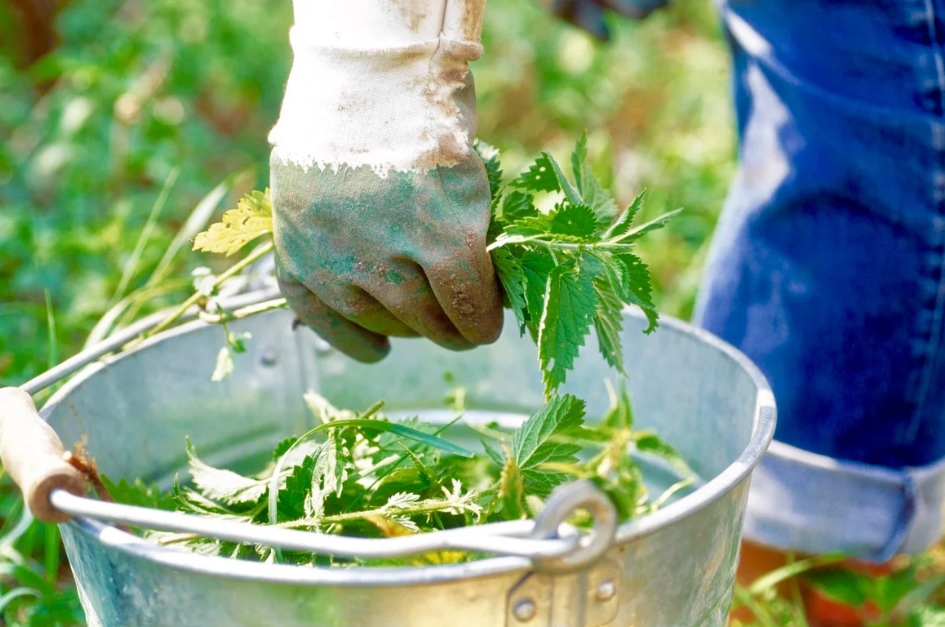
<point>540,176</point>
<point>509,270</point>
<point>574,220</point>
<point>138,493</point>
<point>624,221</point>
<point>512,491</point>
<point>595,195</point>
<point>636,288</point>
<point>570,306</point>
<point>490,160</point>
<point>252,218</point>
<point>649,442</point>
<point>282,447</point>
<point>517,205</point>
<point>608,323</point>
<point>533,444</point>
<point>296,492</point>
<point>536,268</point>
<point>529,226</point>
<point>564,184</point>
<point>222,485</point>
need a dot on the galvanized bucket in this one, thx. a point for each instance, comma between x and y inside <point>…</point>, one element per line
<point>674,567</point>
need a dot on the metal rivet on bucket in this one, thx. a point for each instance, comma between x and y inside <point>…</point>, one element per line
<point>525,610</point>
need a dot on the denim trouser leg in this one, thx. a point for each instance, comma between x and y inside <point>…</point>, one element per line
<point>828,266</point>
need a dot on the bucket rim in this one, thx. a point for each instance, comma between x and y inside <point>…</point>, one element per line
<point>738,471</point>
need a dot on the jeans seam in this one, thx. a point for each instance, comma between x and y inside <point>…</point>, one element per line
<point>934,333</point>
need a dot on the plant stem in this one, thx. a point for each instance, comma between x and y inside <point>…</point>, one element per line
<point>196,296</point>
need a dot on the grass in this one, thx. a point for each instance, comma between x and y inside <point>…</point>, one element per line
<point>150,116</point>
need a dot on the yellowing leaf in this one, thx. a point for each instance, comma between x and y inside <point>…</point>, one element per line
<point>252,218</point>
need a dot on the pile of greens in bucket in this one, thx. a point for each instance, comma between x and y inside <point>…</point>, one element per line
<point>563,271</point>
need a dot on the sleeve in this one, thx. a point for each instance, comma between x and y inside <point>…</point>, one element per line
<point>374,83</point>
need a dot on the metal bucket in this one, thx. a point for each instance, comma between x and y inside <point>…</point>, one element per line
<point>674,567</point>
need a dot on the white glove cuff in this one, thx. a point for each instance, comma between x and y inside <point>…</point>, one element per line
<point>390,108</point>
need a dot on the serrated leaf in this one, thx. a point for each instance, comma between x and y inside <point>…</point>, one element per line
<point>575,220</point>
<point>595,195</point>
<point>509,270</point>
<point>608,323</point>
<point>536,268</point>
<point>625,220</point>
<point>296,492</point>
<point>282,447</point>
<point>635,287</point>
<point>570,304</point>
<point>512,491</point>
<point>564,184</point>
<point>222,485</point>
<point>648,442</point>
<point>540,176</point>
<point>533,444</point>
<point>517,205</point>
<point>654,224</point>
<point>138,493</point>
<point>490,160</point>
<point>252,218</point>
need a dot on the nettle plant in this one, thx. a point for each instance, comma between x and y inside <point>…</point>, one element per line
<point>563,271</point>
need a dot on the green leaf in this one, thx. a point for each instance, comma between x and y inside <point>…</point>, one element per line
<point>252,218</point>
<point>608,323</point>
<point>639,231</point>
<point>595,195</point>
<point>574,220</point>
<point>222,485</point>
<point>841,585</point>
<point>517,205</point>
<point>570,305</point>
<point>490,160</point>
<point>540,176</point>
<point>536,268</point>
<point>296,492</point>
<point>635,288</point>
<point>509,270</point>
<point>138,493</point>
<point>282,447</point>
<point>648,442</point>
<point>512,491</point>
<point>564,184</point>
<point>533,444</point>
<point>623,222</point>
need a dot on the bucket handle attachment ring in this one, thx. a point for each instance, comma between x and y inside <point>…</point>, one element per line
<point>564,502</point>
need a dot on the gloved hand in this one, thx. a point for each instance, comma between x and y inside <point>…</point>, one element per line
<point>589,14</point>
<point>380,204</point>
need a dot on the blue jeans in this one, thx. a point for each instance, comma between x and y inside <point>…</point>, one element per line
<point>828,266</point>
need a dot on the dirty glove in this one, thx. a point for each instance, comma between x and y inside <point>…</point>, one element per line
<point>589,14</point>
<point>380,204</point>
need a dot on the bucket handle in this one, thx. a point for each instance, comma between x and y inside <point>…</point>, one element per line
<point>549,542</point>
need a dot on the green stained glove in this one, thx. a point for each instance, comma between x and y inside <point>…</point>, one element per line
<point>380,204</point>
<point>362,257</point>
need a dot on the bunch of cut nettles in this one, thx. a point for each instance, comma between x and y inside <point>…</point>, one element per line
<point>562,271</point>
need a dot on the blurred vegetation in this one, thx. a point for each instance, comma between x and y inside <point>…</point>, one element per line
<point>123,123</point>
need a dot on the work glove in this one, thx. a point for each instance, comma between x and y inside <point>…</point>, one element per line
<point>589,14</point>
<point>380,203</point>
